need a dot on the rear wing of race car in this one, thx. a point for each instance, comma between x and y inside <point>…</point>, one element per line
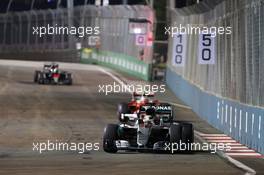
<point>164,111</point>
<point>162,108</point>
<point>136,94</point>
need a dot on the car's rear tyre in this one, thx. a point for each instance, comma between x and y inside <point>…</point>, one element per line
<point>68,80</point>
<point>36,76</point>
<point>187,133</point>
<point>175,136</point>
<point>40,78</point>
<point>175,133</point>
<point>122,108</point>
<point>181,136</point>
<point>109,138</point>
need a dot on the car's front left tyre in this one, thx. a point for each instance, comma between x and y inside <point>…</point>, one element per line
<point>110,137</point>
<point>36,76</point>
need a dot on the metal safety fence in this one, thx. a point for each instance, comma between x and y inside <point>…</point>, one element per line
<point>20,31</point>
<point>229,93</point>
<point>238,73</point>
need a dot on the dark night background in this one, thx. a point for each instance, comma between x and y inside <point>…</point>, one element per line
<point>22,5</point>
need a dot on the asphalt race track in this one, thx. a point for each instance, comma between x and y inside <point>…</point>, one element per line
<point>36,113</point>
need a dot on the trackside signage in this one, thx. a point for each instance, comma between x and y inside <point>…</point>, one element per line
<point>206,52</point>
<point>179,50</point>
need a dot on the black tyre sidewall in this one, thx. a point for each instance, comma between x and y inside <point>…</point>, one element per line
<point>36,75</point>
<point>109,138</point>
<point>122,108</point>
<point>175,134</point>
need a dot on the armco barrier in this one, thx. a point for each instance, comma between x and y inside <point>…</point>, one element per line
<point>242,122</point>
<point>117,61</point>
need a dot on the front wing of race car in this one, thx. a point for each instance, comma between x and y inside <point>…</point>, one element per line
<point>158,146</point>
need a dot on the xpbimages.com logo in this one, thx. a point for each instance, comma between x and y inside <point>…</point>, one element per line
<point>147,89</point>
<point>80,31</point>
<point>212,147</point>
<point>64,146</point>
<point>190,29</point>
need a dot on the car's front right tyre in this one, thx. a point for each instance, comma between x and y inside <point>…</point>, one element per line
<point>122,108</point>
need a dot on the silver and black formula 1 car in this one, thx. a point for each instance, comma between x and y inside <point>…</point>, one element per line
<point>52,75</point>
<point>152,128</point>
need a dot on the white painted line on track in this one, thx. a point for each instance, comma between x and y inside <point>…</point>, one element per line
<point>245,168</point>
<point>236,144</point>
<point>210,135</point>
<point>125,83</point>
<point>217,138</point>
<point>243,154</point>
<point>179,105</point>
<point>240,150</point>
<point>222,141</point>
<point>39,64</point>
<point>238,147</point>
<point>114,77</point>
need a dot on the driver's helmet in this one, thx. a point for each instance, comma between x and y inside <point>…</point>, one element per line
<point>54,68</point>
<point>138,97</point>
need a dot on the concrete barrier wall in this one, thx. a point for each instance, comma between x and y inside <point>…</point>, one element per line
<point>117,61</point>
<point>242,122</point>
<point>61,55</point>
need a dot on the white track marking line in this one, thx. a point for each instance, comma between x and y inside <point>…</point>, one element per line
<point>179,105</point>
<point>243,154</point>
<point>222,141</point>
<point>115,78</point>
<point>238,147</point>
<point>212,135</point>
<point>39,64</point>
<point>240,150</point>
<point>124,84</point>
<point>236,144</point>
<point>217,138</point>
<point>248,170</point>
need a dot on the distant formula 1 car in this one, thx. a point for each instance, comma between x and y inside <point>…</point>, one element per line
<point>134,105</point>
<point>151,128</point>
<point>52,75</point>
